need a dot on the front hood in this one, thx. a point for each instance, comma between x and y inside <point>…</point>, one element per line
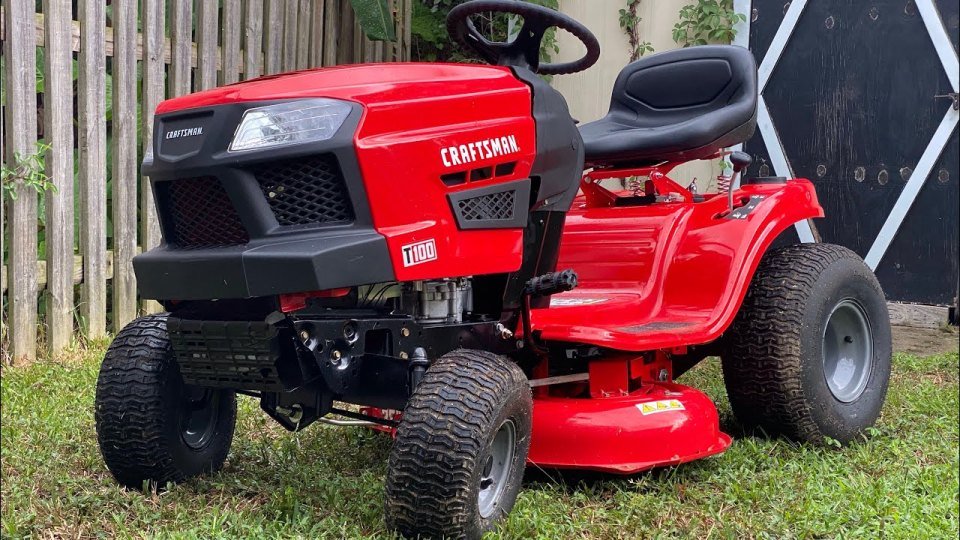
<point>368,84</point>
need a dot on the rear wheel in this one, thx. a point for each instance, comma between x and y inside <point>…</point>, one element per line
<point>458,459</point>
<point>809,354</point>
<point>150,425</point>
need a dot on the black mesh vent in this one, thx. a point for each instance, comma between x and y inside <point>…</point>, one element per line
<point>201,215</point>
<point>493,206</point>
<point>305,191</point>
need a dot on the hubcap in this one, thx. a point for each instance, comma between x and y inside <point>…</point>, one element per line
<point>198,416</point>
<point>496,469</point>
<point>847,350</point>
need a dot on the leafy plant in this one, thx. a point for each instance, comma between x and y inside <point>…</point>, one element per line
<point>27,171</point>
<point>629,21</point>
<point>375,19</point>
<point>707,21</point>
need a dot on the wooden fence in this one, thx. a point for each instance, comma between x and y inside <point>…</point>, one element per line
<point>132,53</point>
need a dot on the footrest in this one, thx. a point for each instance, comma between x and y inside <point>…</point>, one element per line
<point>551,283</point>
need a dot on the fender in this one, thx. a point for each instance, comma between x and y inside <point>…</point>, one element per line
<point>668,274</point>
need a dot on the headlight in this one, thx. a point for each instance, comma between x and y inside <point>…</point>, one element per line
<point>293,122</point>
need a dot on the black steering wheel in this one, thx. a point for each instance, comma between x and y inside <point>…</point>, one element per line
<point>524,50</point>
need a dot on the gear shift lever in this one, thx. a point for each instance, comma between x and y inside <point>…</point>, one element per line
<point>740,161</point>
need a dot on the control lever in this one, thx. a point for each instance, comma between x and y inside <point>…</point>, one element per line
<point>740,161</point>
<point>540,286</point>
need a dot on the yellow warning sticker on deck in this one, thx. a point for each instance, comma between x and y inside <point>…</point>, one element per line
<point>662,405</point>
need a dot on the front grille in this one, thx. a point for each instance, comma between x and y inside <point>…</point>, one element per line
<point>493,206</point>
<point>230,354</point>
<point>305,191</point>
<point>200,214</point>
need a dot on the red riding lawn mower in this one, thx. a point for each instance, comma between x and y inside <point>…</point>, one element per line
<point>410,240</point>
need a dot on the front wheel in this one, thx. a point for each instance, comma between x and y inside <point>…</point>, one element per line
<point>809,353</point>
<point>457,462</point>
<point>150,425</point>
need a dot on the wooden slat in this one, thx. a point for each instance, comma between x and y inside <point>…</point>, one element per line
<point>230,42</point>
<point>407,32</point>
<point>152,20</point>
<point>331,31</point>
<point>207,26</point>
<point>252,38</point>
<point>21,135</point>
<point>91,136</point>
<point>316,33</point>
<point>124,170</point>
<point>303,34</point>
<point>357,42</point>
<point>76,272</point>
<point>273,37</point>
<point>394,47</point>
<point>58,205</point>
<point>290,16</point>
<point>369,49</point>
<point>345,39</point>
<point>181,32</point>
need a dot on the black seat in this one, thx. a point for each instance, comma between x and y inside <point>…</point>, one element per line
<point>674,106</point>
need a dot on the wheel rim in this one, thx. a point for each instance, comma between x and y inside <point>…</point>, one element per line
<point>847,350</point>
<point>198,416</point>
<point>496,469</point>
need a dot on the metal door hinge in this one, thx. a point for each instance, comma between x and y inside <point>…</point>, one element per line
<point>953,96</point>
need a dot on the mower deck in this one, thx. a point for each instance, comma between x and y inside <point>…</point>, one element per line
<point>659,425</point>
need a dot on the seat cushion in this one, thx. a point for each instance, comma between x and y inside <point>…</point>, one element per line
<point>675,106</point>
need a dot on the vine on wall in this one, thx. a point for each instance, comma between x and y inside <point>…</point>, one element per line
<point>629,22</point>
<point>707,21</point>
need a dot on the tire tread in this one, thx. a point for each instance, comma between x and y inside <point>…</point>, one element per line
<point>763,360</point>
<point>441,437</point>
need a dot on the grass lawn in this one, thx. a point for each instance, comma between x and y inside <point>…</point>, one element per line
<point>326,482</point>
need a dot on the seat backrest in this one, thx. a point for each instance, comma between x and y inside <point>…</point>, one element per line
<point>678,85</point>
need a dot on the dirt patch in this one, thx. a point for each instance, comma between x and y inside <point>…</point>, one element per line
<point>925,341</point>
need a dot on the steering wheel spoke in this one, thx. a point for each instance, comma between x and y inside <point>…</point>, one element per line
<point>489,50</point>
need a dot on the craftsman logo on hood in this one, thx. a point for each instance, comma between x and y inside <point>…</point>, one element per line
<point>186,132</point>
<point>482,149</point>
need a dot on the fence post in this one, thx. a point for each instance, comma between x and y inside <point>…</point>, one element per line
<point>252,38</point>
<point>21,135</point>
<point>124,173</point>
<point>407,40</point>
<point>152,21</point>
<point>290,35</point>
<point>207,45</point>
<point>303,33</point>
<point>272,37</point>
<point>345,37</point>
<point>58,131</point>
<point>92,137</point>
<point>316,33</point>
<point>331,31</point>
<point>181,27</point>
<point>230,42</point>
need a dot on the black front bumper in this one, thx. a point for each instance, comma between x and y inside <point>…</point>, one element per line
<point>231,231</point>
<point>318,261</point>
